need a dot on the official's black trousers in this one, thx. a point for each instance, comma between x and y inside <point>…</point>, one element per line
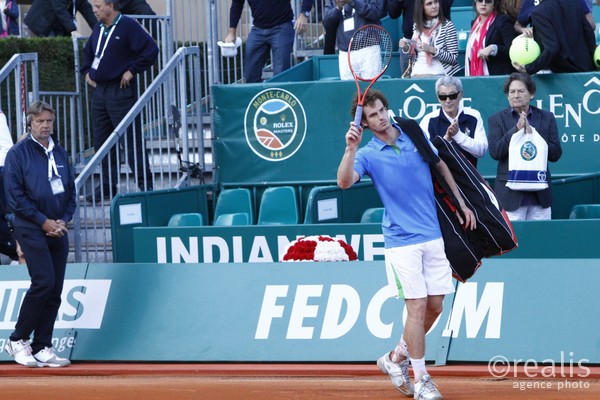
<point>46,262</point>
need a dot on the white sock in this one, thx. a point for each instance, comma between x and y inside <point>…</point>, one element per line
<point>419,369</point>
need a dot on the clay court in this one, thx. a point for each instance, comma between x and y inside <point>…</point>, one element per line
<point>272,381</point>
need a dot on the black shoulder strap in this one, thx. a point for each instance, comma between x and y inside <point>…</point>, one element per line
<point>415,133</point>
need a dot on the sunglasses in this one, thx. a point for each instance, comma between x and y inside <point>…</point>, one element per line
<point>452,96</point>
<point>485,1</point>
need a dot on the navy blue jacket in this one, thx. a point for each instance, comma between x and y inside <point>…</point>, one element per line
<point>56,16</point>
<point>130,48</point>
<point>467,123</point>
<point>28,192</point>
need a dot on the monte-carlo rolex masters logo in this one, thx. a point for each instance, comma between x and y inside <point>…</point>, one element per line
<point>528,151</point>
<point>275,124</point>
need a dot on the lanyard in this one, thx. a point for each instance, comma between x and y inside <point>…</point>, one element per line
<point>344,12</point>
<point>107,38</point>
<point>75,14</point>
<point>51,165</point>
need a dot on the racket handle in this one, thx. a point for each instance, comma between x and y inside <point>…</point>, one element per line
<point>358,115</point>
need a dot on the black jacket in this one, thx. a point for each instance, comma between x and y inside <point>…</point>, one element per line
<point>565,36</point>
<point>56,16</point>
<point>28,192</point>
<point>501,33</point>
<point>501,127</point>
<point>136,7</point>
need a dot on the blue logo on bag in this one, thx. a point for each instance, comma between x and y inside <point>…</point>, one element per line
<point>528,151</point>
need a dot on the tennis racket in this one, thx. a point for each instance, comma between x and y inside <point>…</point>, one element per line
<point>369,55</point>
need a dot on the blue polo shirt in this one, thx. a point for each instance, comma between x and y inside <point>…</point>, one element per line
<point>403,181</point>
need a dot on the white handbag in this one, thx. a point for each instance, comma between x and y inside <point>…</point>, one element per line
<point>527,161</point>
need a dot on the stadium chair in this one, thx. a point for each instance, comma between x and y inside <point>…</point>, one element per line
<point>372,215</point>
<point>232,219</point>
<point>278,206</point>
<point>585,211</point>
<point>232,201</point>
<point>186,219</point>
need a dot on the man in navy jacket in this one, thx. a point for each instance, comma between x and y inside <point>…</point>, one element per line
<point>118,49</point>
<point>40,191</point>
<point>566,38</point>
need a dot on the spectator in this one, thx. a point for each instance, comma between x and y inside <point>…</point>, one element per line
<point>454,122</point>
<point>141,7</point>
<point>491,35</point>
<point>566,39</point>
<point>110,65</point>
<point>527,7</point>
<point>136,7</point>
<point>345,17</point>
<point>40,190</point>
<point>406,9</point>
<point>415,260</point>
<point>272,31</point>
<point>511,8</point>
<point>7,242</point>
<point>10,18</point>
<point>519,88</point>
<point>434,44</point>
<point>58,17</point>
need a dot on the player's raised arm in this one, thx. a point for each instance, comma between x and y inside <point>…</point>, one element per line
<point>346,175</point>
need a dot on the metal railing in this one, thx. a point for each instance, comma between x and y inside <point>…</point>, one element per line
<point>173,109</point>
<point>166,150</point>
<point>18,82</point>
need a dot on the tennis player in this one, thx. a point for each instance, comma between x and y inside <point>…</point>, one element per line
<point>416,264</point>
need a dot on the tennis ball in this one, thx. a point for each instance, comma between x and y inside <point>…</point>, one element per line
<point>524,50</point>
<point>597,57</point>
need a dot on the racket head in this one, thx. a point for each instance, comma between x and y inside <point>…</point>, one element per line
<point>369,53</point>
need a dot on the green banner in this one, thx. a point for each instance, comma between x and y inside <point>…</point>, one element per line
<point>281,132</point>
<point>512,312</point>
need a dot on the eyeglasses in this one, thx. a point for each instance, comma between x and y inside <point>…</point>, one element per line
<point>451,96</point>
<point>485,1</point>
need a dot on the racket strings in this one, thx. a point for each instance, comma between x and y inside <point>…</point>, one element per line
<point>370,52</point>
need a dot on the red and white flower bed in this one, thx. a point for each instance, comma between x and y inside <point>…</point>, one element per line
<point>319,248</point>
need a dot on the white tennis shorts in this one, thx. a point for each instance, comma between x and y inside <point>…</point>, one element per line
<point>419,270</point>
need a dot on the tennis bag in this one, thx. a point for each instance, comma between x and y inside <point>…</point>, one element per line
<point>494,234</point>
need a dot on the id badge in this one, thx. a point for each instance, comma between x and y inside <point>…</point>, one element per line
<point>57,185</point>
<point>96,63</point>
<point>349,24</point>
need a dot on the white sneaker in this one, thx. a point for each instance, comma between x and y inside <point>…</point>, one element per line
<point>425,389</point>
<point>21,351</point>
<point>398,373</point>
<point>47,358</point>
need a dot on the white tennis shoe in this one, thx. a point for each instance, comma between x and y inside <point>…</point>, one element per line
<point>425,389</point>
<point>21,351</point>
<point>398,373</point>
<point>47,358</point>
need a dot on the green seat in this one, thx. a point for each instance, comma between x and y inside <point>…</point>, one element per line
<point>232,201</point>
<point>372,215</point>
<point>186,219</point>
<point>278,206</point>
<point>232,219</point>
<point>585,211</point>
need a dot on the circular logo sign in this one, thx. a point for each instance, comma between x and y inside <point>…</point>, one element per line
<point>528,151</point>
<point>275,124</point>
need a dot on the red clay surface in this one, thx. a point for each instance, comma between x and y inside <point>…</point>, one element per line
<point>280,381</point>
